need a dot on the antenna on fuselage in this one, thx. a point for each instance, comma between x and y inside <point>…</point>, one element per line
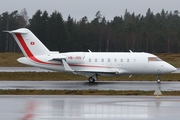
<point>130,51</point>
<point>89,50</point>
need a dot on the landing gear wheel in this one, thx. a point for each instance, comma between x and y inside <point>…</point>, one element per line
<point>91,80</point>
<point>158,80</point>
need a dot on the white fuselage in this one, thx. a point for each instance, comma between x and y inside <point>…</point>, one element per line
<point>104,63</point>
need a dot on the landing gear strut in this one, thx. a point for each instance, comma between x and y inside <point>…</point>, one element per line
<point>158,79</point>
<point>93,79</point>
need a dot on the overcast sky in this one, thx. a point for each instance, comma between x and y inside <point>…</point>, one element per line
<point>80,8</point>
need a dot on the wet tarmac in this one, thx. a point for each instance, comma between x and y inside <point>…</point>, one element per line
<point>85,85</point>
<point>89,107</point>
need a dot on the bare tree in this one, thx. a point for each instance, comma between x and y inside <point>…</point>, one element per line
<point>23,18</point>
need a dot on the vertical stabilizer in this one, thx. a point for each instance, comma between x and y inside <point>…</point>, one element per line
<point>29,44</point>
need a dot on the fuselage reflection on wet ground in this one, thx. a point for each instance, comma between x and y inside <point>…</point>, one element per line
<point>89,107</point>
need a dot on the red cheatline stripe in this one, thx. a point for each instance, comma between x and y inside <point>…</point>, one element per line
<point>28,52</point>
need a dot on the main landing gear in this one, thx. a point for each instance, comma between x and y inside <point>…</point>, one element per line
<point>158,79</point>
<point>93,79</point>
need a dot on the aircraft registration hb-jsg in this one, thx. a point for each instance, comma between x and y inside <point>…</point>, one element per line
<point>90,64</point>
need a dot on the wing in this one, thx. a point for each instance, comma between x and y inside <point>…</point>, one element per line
<point>109,72</point>
<point>89,73</point>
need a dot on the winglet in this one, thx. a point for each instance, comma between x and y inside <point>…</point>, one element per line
<point>66,66</point>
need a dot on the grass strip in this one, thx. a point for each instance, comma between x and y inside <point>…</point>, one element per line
<point>84,92</point>
<point>9,59</point>
<point>57,76</point>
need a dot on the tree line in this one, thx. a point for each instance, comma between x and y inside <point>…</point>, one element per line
<point>154,33</point>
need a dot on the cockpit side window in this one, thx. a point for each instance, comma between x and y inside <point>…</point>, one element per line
<point>154,59</point>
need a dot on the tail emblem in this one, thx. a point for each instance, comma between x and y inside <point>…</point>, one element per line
<point>32,43</point>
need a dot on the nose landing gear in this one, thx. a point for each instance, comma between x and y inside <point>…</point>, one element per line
<point>158,79</point>
<point>91,80</point>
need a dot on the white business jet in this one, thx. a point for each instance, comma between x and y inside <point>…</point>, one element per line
<point>90,64</point>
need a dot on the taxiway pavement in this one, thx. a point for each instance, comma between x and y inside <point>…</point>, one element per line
<point>66,107</point>
<point>85,85</point>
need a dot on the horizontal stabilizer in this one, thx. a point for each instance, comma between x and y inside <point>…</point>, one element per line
<point>20,31</point>
<point>7,31</point>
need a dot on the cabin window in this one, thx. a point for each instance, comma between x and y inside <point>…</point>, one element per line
<point>127,60</point>
<point>115,60</point>
<point>102,60</point>
<point>89,59</point>
<point>109,60</point>
<point>96,60</point>
<point>121,60</point>
<point>154,59</point>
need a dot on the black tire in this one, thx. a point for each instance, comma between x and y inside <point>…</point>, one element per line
<point>91,80</point>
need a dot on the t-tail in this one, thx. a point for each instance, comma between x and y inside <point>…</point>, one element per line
<point>29,44</point>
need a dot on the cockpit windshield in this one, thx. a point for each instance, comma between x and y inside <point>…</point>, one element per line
<point>154,59</point>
